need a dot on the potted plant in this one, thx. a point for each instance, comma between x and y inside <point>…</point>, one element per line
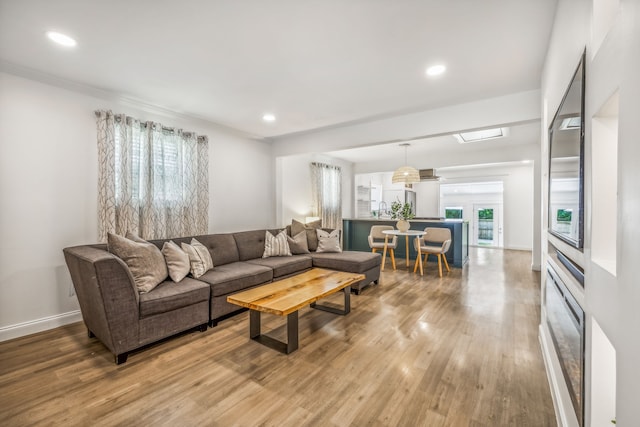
<point>402,212</point>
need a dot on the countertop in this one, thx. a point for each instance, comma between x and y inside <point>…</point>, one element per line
<point>411,220</point>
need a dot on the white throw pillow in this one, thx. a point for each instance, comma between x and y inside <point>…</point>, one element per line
<point>199,258</point>
<point>276,245</point>
<point>328,242</point>
<point>177,260</point>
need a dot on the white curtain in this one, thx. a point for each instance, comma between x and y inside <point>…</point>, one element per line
<point>326,189</point>
<point>153,181</point>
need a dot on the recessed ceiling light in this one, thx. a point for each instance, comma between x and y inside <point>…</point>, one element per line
<point>61,39</point>
<point>268,117</point>
<point>436,70</point>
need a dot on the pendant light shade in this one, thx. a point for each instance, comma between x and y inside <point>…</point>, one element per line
<point>406,174</point>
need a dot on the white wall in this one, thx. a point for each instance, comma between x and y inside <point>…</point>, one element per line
<point>293,186</point>
<point>48,191</point>
<point>612,64</point>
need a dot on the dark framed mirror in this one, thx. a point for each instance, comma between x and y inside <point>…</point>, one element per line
<point>566,164</point>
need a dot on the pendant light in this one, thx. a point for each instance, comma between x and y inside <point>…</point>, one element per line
<point>406,174</point>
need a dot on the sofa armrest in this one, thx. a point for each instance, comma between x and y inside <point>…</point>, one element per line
<point>108,298</point>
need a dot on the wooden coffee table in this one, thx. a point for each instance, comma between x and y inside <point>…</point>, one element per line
<point>285,297</point>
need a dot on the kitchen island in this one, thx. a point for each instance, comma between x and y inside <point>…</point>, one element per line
<point>356,231</point>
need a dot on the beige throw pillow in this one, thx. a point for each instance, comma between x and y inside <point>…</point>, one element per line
<point>276,245</point>
<point>328,242</point>
<point>310,229</point>
<point>199,258</point>
<point>177,261</point>
<point>298,243</point>
<point>144,259</point>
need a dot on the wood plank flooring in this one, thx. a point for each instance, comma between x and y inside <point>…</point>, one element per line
<point>414,351</point>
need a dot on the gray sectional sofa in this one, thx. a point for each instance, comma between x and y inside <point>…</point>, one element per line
<point>125,320</point>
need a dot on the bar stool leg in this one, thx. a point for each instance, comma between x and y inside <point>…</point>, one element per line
<point>420,257</point>
<point>393,258</point>
<point>384,251</point>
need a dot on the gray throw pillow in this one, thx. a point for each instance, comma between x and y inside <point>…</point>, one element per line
<point>328,242</point>
<point>310,228</point>
<point>144,259</point>
<point>298,243</point>
<point>177,261</point>
<point>199,258</point>
<point>276,245</point>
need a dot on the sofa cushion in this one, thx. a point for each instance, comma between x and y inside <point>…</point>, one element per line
<point>350,261</point>
<point>276,245</point>
<point>234,277</point>
<point>168,296</point>
<point>250,244</point>
<point>177,261</point>
<point>145,261</point>
<point>284,266</point>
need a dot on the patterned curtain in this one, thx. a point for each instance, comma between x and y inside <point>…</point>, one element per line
<point>153,181</point>
<point>326,190</point>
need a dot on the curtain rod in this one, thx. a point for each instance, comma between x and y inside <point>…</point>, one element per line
<point>118,117</point>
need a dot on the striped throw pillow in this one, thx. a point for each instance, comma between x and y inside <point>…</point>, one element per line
<point>276,245</point>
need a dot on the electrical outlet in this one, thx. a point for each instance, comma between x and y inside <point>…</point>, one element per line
<point>72,290</point>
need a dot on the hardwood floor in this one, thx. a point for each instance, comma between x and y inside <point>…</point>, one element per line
<point>457,351</point>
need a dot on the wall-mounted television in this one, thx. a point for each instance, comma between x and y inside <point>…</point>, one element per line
<point>566,164</point>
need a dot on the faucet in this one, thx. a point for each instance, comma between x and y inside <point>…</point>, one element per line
<point>381,210</point>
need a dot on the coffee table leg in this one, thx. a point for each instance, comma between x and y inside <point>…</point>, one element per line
<point>254,324</point>
<point>347,304</point>
<point>292,333</point>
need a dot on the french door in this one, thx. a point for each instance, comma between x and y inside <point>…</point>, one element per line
<point>487,224</point>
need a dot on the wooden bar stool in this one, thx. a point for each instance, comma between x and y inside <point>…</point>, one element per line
<point>376,241</point>
<point>436,241</point>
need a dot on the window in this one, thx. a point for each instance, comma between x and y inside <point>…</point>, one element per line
<point>481,135</point>
<point>326,190</point>
<point>163,157</point>
<point>453,213</point>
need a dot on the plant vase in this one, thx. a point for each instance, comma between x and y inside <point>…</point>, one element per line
<point>403,225</point>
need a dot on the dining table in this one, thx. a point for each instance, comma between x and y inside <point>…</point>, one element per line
<point>407,235</point>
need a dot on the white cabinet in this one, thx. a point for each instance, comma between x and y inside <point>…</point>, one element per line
<point>363,201</point>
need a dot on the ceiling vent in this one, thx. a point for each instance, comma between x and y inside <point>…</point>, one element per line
<point>428,175</point>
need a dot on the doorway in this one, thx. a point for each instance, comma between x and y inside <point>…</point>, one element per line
<point>481,204</point>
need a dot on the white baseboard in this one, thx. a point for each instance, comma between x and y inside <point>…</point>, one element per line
<point>39,325</point>
<point>518,248</point>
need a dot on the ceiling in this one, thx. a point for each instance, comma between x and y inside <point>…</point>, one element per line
<point>420,152</point>
<point>311,63</point>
